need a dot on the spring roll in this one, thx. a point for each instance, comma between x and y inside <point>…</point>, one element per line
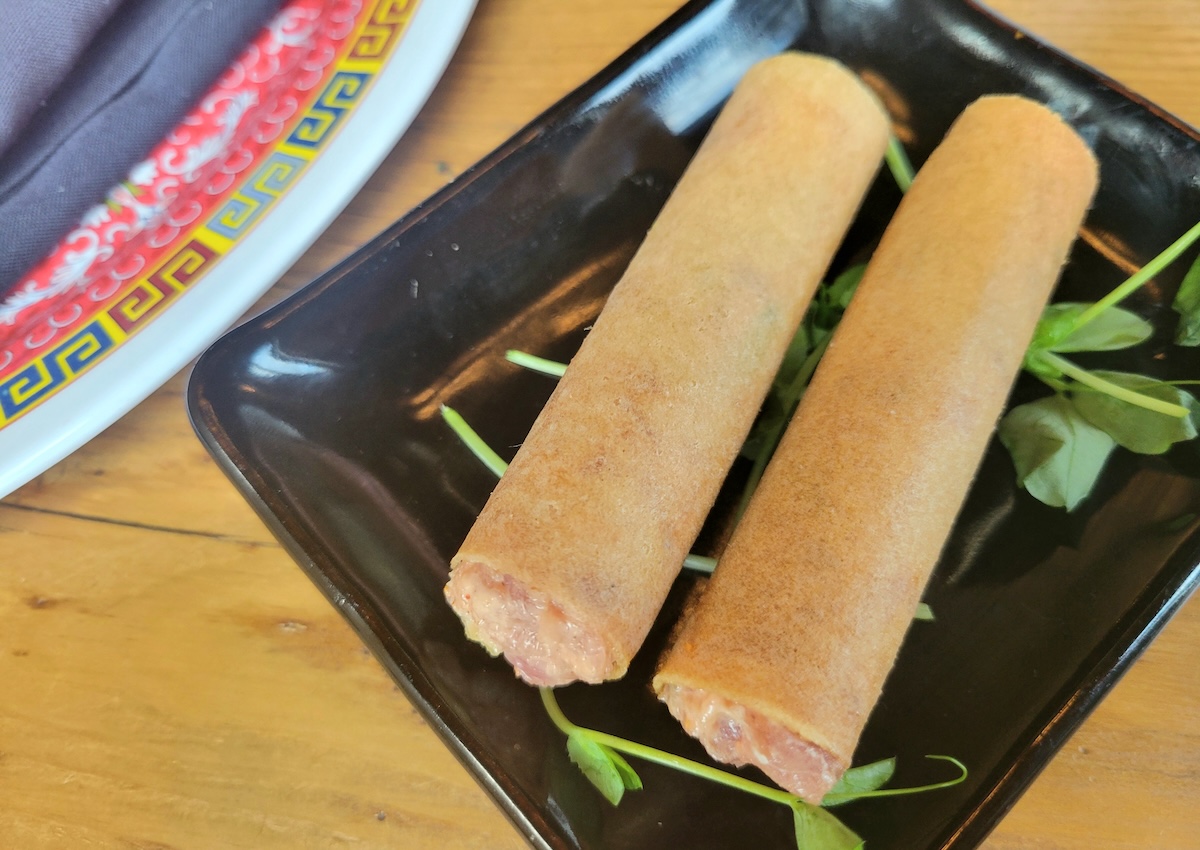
<point>787,651</point>
<point>572,557</point>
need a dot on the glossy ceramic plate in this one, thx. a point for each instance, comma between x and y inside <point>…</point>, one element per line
<point>212,218</point>
<point>325,412</point>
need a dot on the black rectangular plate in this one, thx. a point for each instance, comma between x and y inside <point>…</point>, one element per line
<point>324,411</point>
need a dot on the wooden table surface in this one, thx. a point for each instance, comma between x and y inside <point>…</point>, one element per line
<point>170,679</point>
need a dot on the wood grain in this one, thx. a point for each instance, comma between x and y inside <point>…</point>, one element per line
<point>172,680</point>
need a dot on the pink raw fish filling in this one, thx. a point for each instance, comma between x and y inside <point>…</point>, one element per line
<point>541,643</point>
<point>738,735</point>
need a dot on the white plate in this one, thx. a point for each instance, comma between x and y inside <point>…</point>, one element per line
<point>97,397</point>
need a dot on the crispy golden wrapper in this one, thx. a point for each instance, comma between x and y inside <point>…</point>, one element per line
<point>572,557</point>
<point>787,652</point>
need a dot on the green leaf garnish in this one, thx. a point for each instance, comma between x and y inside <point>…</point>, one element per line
<point>898,164</point>
<point>1057,459</point>
<point>1058,454</point>
<point>1133,426</point>
<point>839,293</point>
<point>629,777</point>
<point>866,777</point>
<point>603,767</point>
<point>817,829</point>
<point>1114,329</point>
<point>1187,305</point>
<point>924,613</point>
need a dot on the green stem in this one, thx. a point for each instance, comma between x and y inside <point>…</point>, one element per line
<point>694,768</point>
<point>1053,383</point>
<point>839,799</point>
<point>665,759</point>
<point>700,563</point>
<point>897,162</point>
<point>1086,378</point>
<point>556,714</point>
<point>473,441</point>
<point>1137,280</point>
<point>537,364</point>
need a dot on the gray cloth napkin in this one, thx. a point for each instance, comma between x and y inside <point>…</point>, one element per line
<point>40,41</point>
<point>137,77</point>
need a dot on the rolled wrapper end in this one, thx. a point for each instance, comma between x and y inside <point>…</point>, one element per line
<point>545,646</point>
<point>737,735</point>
